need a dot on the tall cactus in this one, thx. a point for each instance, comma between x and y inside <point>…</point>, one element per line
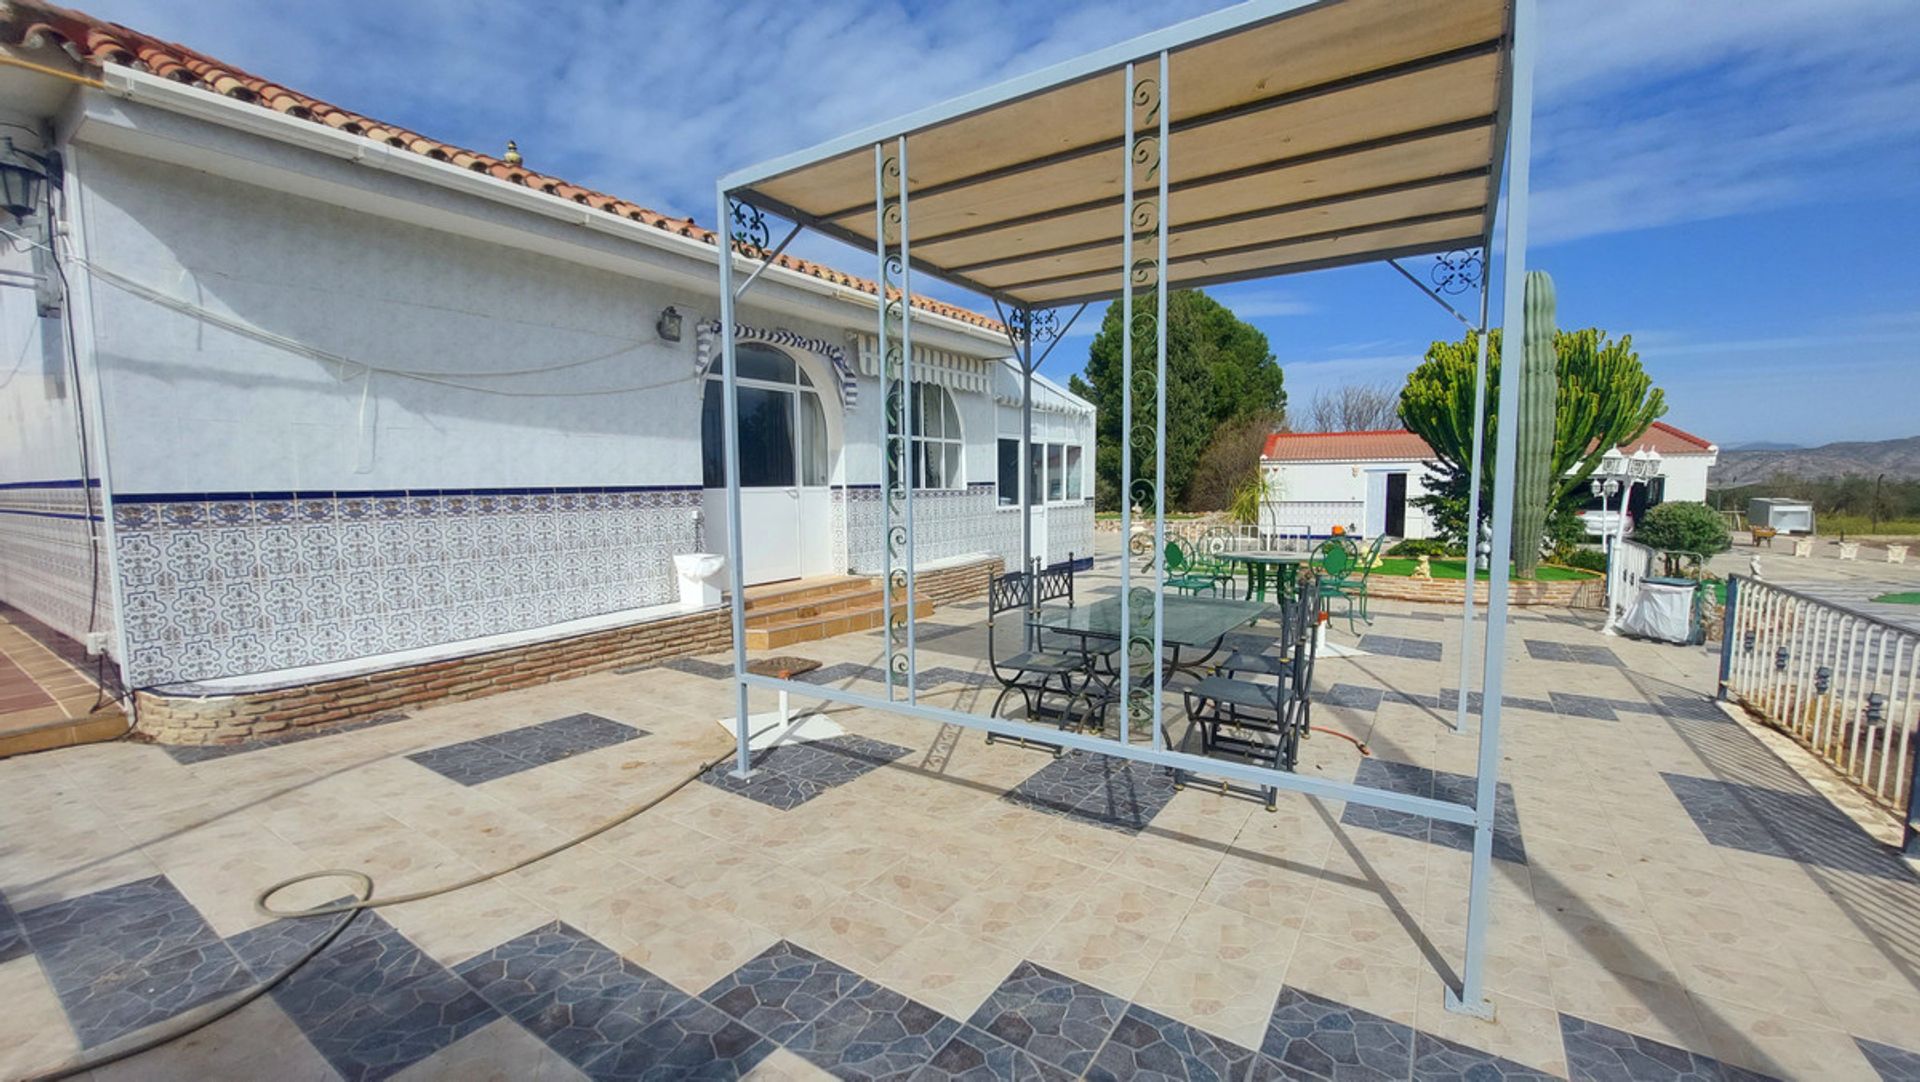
<point>1539,389</point>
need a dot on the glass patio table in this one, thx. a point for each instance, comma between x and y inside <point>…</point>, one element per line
<point>1190,623</point>
<point>1282,567</point>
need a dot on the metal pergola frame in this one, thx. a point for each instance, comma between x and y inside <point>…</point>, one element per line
<point>1144,62</point>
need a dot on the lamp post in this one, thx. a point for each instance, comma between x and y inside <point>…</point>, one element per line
<point>1625,471</point>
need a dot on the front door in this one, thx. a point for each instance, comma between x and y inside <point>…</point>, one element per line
<point>1396,505</point>
<point>783,457</point>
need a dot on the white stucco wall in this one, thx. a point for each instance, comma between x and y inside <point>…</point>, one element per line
<point>1686,477</point>
<point>1317,496</point>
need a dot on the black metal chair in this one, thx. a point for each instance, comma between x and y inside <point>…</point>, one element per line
<point>1043,663</point>
<point>1262,720</point>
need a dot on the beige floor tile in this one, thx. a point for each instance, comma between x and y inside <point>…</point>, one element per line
<point>919,885</point>
<point>1872,963</point>
<point>1365,979</point>
<point>258,1041</point>
<point>1654,1009</point>
<point>698,947</point>
<point>1129,905</point>
<point>1781,1045</point>
<point>502,1051</point>
<point>1111,959</point>
<point>859,932</point>
<point>1764,982</point>
<point>1877,1012</point>
<point>842,858</point>
<point>1223,998</point>
<point>637,910</point>
<point>1265,888</point>
<point>1615,900</point>
<point>1012,915</point>
<point>454,927</point>
<point>947,970</point>
<point>1362,921</point>
<point>36,1035</point>
<point>1521,1031</point>
<point>1170,864</point>
<point>1215,933</point>
<point>1636,952</point>
<point>782,899</point>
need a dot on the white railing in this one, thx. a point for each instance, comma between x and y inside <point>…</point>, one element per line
<point>1241,537</point>
<point>1840,682</point>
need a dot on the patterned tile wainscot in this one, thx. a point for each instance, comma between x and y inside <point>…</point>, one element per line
<point>217,584</point>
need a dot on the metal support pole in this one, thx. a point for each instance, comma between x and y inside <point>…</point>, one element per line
<point>883,350</point>
<point>1025,316</point>
<point>906,412</point>
<point>730,429</point>
<point>1160,405</point>
<point>1727,617</point>
<point>1471,998</point>
<point>1126,418</point>
<point>1463,718</point>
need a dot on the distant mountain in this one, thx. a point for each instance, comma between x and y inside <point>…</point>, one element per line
<point>1895,458</point>
<point>1765,445</point>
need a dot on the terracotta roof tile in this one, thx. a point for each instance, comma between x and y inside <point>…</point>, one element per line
<point>97,42</point>
<point>1381,444</point>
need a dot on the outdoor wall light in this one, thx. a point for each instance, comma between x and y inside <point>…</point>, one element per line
<point>1822,679</point>
<point>23,178</point>
<point>1876,710</point>
<point>1746,642</point>
<point>1780,659</point>
<point>669,324</point>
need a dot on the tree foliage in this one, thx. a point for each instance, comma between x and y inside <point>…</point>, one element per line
<point>1604,399</point>
<point>1683,527</point>
<point>1219,369</point>
<point>1230,463</point>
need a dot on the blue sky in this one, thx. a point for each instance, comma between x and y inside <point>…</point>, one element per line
<point>1732,182</point>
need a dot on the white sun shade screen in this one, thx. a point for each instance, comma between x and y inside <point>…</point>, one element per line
<point>1335,133</point>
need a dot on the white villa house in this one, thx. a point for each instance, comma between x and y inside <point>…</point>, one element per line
<point>1366,483</point>
<point>297,395</point>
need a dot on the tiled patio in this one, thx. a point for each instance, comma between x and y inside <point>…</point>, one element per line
<point>1672,900</point>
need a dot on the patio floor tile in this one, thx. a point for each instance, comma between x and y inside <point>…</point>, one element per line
<point>1597,1053</point>
<point>486,758</point>
<point>696,1040</point>
<point>1401,646</point>
<point>1153,1047</point>
<point>1894,1064</point>
<point>782,990</point>
<point>1050,1016</point>
<point>1319,1038</point>
<point>974,1055</point>
<point>873,1032</point>
<point>1441,785</point>
<point>1798,826</point>
<point>573,993</point>
<point>789,775</point>
<point>1583,706</point>
<point>1436,1059</point>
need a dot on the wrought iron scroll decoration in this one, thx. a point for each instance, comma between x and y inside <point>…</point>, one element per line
<point>1033,327</point>
<point>895,403</point>
<point>749,226</point>
<point>1458,271</point>
<point>1144,159</point>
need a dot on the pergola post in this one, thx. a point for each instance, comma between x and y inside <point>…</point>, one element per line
<point>1471,998</point>
<point>730,430</point>
<point>1025,487</point>
<point>1463,717</point>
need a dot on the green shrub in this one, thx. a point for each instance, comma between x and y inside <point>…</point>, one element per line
<point>1683,527</point>
<point>1421,546</point>
<point>1585,559</point>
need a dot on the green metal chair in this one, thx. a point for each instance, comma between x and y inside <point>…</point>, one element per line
<point>1339,580</point>
<point>1182,574</point>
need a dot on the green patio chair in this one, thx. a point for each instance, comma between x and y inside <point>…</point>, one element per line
<point>1181,574</point>
<point>1345,585</point>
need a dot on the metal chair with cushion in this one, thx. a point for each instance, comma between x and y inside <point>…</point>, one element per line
<point>1348,588</point>
<point>1182,573</point>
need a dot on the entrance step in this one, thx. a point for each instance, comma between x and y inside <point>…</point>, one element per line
<point>781,614</point>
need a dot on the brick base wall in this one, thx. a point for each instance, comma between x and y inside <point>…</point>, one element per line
<point>1584,594</point>
<point>227,719</point>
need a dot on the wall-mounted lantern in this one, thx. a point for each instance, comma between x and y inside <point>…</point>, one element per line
<point>668,325</point>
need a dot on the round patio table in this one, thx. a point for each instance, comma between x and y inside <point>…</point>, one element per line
<point>1281,567</point>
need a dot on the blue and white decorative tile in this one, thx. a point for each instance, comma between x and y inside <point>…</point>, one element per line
<point>1436,1059</point>
<point>1311,1037</point>
<point>694,1041</point>
<point>1597,1053</point>
<point>1893,1064</point>
<point>782,990</point>
<point>873,1033</point>
<point>1154,1048</point>
<point>1051,1017</point>
<point>575,994</point>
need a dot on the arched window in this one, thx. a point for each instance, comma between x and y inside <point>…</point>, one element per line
<point>937,441</point>
<point>783,430</point>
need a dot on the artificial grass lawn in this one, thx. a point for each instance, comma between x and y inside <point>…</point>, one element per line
<point>1908,598</point>
<point>1402,567</point>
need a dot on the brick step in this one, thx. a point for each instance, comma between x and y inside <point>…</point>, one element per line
<point>824,605</point>
<point>787,593</point>
<point>106,724</point>
<point>795,629</point>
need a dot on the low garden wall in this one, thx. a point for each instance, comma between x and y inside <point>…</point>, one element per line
<point>341,701</point>
<point>1579,594</point>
